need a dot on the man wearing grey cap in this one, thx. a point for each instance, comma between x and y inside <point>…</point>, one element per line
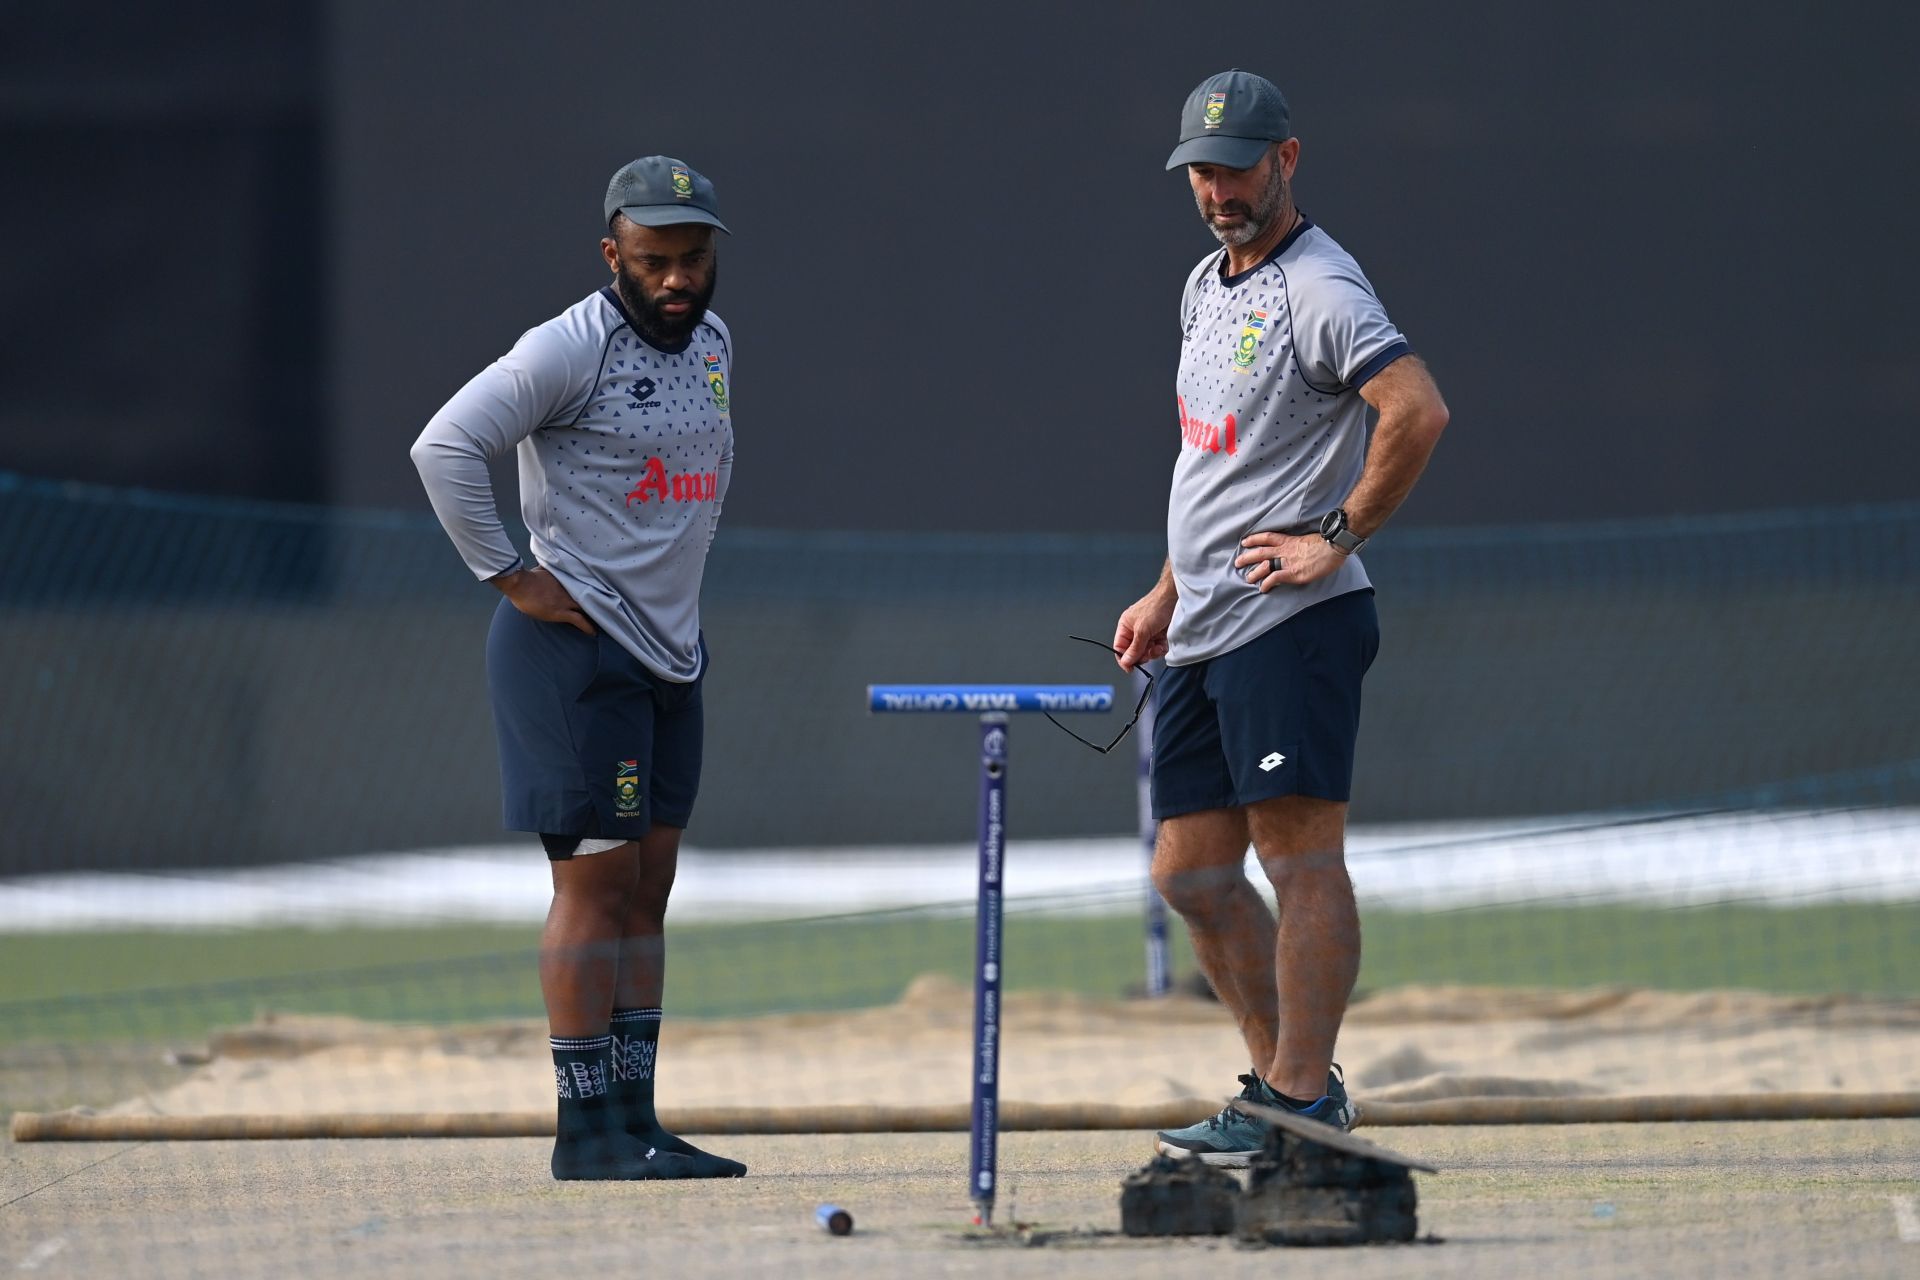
<point>620,412</point>
<point>1264,612</point>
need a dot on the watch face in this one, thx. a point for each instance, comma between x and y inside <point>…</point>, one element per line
<point>1332,522</point>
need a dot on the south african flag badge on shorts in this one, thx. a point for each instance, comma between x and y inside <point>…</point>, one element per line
<point>626,788</point>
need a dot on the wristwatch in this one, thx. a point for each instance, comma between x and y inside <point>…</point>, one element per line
<point>1333,527</point>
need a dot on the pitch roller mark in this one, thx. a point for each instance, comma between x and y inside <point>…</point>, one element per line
<point>1906,1218</point>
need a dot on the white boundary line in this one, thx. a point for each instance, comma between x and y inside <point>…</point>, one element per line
<point>1789,858</point>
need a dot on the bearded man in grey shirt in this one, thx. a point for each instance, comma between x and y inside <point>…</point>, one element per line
<point>619,413</point>
<point>1264,611</point>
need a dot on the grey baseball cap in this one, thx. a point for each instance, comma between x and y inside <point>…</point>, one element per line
<point>659,191</point>
<point>1231,120</point>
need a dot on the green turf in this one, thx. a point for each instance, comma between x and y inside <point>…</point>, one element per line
<point>70,964</point>
<point>1856,948</point>
<point>82,987</point>
<point>156,984</point>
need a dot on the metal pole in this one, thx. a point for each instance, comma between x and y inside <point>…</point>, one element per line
<point>992,703</point>
<point>986,989</point>
<point>1159,970</point>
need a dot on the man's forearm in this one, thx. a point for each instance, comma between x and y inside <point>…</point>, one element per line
<point>1394,463</point>
<point>1412,416</point>
<point>1166,587</point>
<point>454,473</point>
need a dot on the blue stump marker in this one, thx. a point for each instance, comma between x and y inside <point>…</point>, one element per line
<point>993,704</point>
<point>983,1148</point>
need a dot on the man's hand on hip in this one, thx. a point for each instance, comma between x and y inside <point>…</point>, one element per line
<point>538,594</point>
<point>1301,559</point>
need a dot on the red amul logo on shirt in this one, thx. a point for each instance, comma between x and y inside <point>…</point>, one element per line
<point>685,486</point>
<point>1198,433</point>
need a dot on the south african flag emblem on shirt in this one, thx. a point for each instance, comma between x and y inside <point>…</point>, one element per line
<point>626,787</point>
<point>716,382</point>
<point>1248,347</point>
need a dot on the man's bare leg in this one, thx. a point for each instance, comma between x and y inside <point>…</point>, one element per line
<point>580,946</point>
<point>579,967</point>
<point>641,979</point>
<point>1199,868</point>
<point>638,992</point>
<point>1301,844</point>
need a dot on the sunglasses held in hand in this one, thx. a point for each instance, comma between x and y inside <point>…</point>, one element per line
<point>1145,693</point>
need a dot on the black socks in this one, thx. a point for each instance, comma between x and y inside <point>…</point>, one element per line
<point>588,1144</point>
<point>635,1042</point>
<point>580,1080</point>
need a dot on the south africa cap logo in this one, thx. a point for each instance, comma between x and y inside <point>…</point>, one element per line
<point>626,787</point>
<point>1248,347</point>
<point>716,382</point>
<point>1216,110</point>
<point>682,182</point>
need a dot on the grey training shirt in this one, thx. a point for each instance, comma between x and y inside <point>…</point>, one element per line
<point>625,450</point>
<point>1273,429</point>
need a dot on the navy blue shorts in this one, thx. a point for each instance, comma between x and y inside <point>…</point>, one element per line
<point>592,744</point>
<point>1278,716</point>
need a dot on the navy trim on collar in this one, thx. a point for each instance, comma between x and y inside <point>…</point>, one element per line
<point>612,295</point>
<point>1286,243</point>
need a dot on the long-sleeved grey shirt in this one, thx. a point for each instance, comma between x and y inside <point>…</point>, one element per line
<point>625,450</point>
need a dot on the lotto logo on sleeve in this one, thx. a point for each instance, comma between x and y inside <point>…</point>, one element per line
<point>716,381</point>
<point>1247,349</point>
<point>626,787</point>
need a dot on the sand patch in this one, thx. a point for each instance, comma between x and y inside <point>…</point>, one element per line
<point>1408,1044</point>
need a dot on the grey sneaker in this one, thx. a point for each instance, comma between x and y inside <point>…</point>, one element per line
<point>1229,1138</point>
<point>1345,1112</point>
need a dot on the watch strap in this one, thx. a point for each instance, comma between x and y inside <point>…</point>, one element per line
<point>1343,535</point>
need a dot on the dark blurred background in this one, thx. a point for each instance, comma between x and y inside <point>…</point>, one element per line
<point>1655,253</point>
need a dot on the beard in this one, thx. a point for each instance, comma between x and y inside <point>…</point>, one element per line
<point>655,325</point>
<point>1255,219</point>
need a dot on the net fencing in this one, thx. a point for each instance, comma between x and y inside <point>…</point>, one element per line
<point>196,683</point>
<point>1615,782</point>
